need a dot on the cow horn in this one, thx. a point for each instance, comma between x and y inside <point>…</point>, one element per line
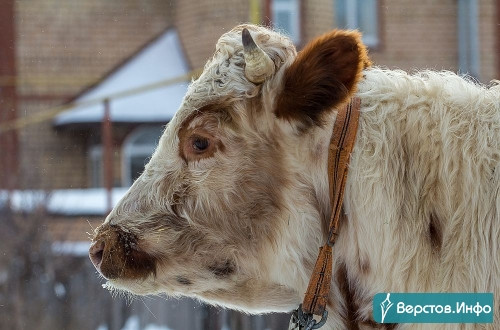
<point>259,65</point>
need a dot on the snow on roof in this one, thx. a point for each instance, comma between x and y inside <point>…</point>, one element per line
<point>71,202</point>
<point>160,60</point>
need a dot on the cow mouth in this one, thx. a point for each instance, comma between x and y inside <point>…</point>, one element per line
<point>116,255</point>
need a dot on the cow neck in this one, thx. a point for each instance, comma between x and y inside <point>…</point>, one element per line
<point>339,151</point>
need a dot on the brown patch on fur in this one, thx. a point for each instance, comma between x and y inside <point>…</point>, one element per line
<point>435,233</point>
<point>121,257</point>
<point>374,325</point>
<point>364,265</point>
<point>323,75</point>
<point>183,280</point>
<point>223,269</point>
<point>348,295</point>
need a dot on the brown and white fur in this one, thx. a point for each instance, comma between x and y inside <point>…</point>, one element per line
<point>232,207</point>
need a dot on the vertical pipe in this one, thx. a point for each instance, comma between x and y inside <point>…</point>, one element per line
<point>223,315</point>
<point>468,38</point>
<point>268,13</point>
<point>462,27</point>
<point>302,23</point>
<point>107,143</point>
<point>255,12</point>
<point>352,14</point>
<point>475,57</point>
<point>8,96</point>
<point>497,25</point>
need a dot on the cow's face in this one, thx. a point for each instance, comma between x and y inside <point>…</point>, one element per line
<point>224,210</point>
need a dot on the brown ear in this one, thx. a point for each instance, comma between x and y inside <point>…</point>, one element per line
<point>324,74</point>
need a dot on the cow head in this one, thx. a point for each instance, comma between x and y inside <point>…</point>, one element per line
<point>229,207</point>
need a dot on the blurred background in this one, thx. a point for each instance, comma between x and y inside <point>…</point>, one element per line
<point>86,87</point>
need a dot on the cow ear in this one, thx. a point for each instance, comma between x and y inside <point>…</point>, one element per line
<point>324,75</point>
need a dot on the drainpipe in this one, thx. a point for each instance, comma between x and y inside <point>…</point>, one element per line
<point>268,13</point>
<point>498,38</point>
<point>255,12</point>
<point>107,143</point>
<point>8,96</point>
<point>468,38</point>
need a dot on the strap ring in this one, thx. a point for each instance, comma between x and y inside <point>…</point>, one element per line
<point>307,320</point>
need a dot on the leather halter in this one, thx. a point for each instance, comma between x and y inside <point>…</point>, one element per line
<point>339,151</point>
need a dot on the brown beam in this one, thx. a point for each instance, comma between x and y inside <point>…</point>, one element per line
<point>62,98</point>
<point>497,28</point>
<point>107,155</point>
<point>268,14</point>
<point>8,97</point>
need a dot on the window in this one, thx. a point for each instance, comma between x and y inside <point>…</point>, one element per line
<point>95,166</point>
<point>137,150</point>
<point>361,15</point>
<point>286,17</point>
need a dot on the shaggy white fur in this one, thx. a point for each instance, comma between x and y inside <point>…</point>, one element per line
<point>427,154</point>
<point>422,196</point>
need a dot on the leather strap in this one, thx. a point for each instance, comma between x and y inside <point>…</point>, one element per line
<point>339,151</point>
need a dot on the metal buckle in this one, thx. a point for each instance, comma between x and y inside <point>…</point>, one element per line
<point>305,321</point>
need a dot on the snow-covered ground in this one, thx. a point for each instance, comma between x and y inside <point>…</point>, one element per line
<point>133,323</point>
<point>64,201</point>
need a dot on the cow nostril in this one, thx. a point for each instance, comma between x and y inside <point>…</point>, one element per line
<point>96,251</point>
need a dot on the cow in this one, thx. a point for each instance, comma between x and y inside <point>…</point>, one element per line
<point>234,203</point>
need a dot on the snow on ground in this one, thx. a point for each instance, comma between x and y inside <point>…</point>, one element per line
<point>64,201</point>
<point>133,323</point>
<point>78,249</point>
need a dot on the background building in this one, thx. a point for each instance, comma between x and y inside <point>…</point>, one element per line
<point>55,52</point>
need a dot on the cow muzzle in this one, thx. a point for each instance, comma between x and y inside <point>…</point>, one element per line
<point>116,254</point>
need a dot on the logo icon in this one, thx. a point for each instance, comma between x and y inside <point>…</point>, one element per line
<point>433,307</point>
<point>385,305</point>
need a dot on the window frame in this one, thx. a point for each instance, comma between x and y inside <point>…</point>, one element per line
<point>294,8</point>
<point>95,154</point>
<point>372,40</point>
<point>129,150</point>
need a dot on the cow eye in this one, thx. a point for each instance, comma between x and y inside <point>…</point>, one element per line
<point>200,144</point>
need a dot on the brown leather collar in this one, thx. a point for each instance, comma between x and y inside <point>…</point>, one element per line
<point>339,151</point>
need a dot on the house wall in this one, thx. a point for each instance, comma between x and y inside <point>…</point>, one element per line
<point>201,23</point>
<point>49,159</point>
<point>62,48</point>
<point>8,100</point>
<point>489,41</point>
<point>417,35</point>
<point>423,35</point>
<point>317,18</point>
<point>414,35</point>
